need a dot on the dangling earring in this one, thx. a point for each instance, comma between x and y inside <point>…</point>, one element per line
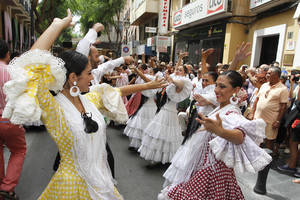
<point>234,100</point>
<point>77,90</point>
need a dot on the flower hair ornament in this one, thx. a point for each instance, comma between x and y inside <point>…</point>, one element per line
<point>76,88</point>
<point>234,100</point>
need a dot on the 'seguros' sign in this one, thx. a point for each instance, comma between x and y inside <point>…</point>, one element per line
<point>198,10</point>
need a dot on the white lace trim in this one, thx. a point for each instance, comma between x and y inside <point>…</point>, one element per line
<point>37,56</point>
<point>20,107</point>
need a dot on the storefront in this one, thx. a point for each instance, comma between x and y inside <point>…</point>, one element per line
<point>200,37</point>
<point>274,34</point>
<point>201,25</point>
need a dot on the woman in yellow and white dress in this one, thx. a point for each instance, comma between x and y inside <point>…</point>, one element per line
<point>74,121</point>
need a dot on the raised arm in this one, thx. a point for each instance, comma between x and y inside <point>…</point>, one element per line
<point>47,39</point>
<point>181,56</point>
<point>139,73</point>
<point>130,89</point>
<point>204,57</point>
<point>241,53</point>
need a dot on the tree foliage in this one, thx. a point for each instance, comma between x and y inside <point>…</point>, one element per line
<point>107,12</point>
<point>46,11</point>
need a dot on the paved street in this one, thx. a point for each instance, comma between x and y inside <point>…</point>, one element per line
<point>135,181</point>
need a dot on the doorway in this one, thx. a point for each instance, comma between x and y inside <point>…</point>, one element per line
<point>269,49</point>
<point>268,35</point>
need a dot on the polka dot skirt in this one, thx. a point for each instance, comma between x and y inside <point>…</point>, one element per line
<point>209,184</point>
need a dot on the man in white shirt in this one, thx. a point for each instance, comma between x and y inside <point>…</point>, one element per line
<point>85,46</point>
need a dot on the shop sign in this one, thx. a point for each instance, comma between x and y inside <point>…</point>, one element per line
<point>256,3</point>
<point>125,50</point>
<point>150,42</point>
<point>162,43</point>
<point>150,29</point>
<point>177,18</point>
<point>140,49</point>
<point>163,17</point>
<point>215,6</point>
<point>198,10</point>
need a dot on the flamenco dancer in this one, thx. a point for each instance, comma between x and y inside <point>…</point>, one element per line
<point>162,136</point>
<point>145,113</point>
<point>203,168</point>
<point>74,121</point>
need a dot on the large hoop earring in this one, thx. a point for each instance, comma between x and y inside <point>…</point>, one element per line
<point>77,90</point>
<point>234,100</point>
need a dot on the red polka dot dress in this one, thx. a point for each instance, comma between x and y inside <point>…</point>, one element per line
<point>213,183</point>
<point>203,168</point>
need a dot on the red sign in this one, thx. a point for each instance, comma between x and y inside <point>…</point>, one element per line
<point>177,18</point>
<point>214,6</point>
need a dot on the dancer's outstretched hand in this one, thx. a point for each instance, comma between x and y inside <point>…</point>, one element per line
<point>214,126</point>
<point>65,22</point>
<point>157,83</point>
<point>296,181</point>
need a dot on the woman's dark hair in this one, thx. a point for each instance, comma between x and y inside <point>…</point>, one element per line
<point>155,70</point>
<point>214,75</point>
<point>161,99</point>
<point>235,79</point>
<point>124,67</point>
<point>144,66</point>
<point>74,62</point>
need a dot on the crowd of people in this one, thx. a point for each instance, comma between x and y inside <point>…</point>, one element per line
<point>206,121</point>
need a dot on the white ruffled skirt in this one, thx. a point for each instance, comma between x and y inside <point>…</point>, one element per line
<point>162,135</point>
<point>136,124</point>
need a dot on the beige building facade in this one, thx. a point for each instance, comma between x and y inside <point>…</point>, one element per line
<point>271,26</point>
<point>15,26</point>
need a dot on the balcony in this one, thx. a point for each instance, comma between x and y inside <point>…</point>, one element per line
<point>143,10</point>
<point>259,6</point>
<point>20,8</point>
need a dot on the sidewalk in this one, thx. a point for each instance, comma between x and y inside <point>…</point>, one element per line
<point>279,186</point>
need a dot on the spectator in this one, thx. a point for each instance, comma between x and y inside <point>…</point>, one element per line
<point>294,140</point>
<point>12,136</point>
<point>271,103</point>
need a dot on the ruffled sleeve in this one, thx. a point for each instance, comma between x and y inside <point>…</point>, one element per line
<point>33,74</point>
<point>183,94</point>
<point>245,157</point>
<point>149,93</point>
<point>109,101</point>
<point>210,94</point>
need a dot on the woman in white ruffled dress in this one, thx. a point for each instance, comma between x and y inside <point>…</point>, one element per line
<point>163,134</point>
<point>74,121</point>
<point>143,115</point>
<point>203,168</point>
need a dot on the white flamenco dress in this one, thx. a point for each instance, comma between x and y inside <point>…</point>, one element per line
<point>163,134</point>
<point>203,168</point>
<point>136,124</point>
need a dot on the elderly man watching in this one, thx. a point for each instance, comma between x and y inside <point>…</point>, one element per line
<point>271,103</point>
